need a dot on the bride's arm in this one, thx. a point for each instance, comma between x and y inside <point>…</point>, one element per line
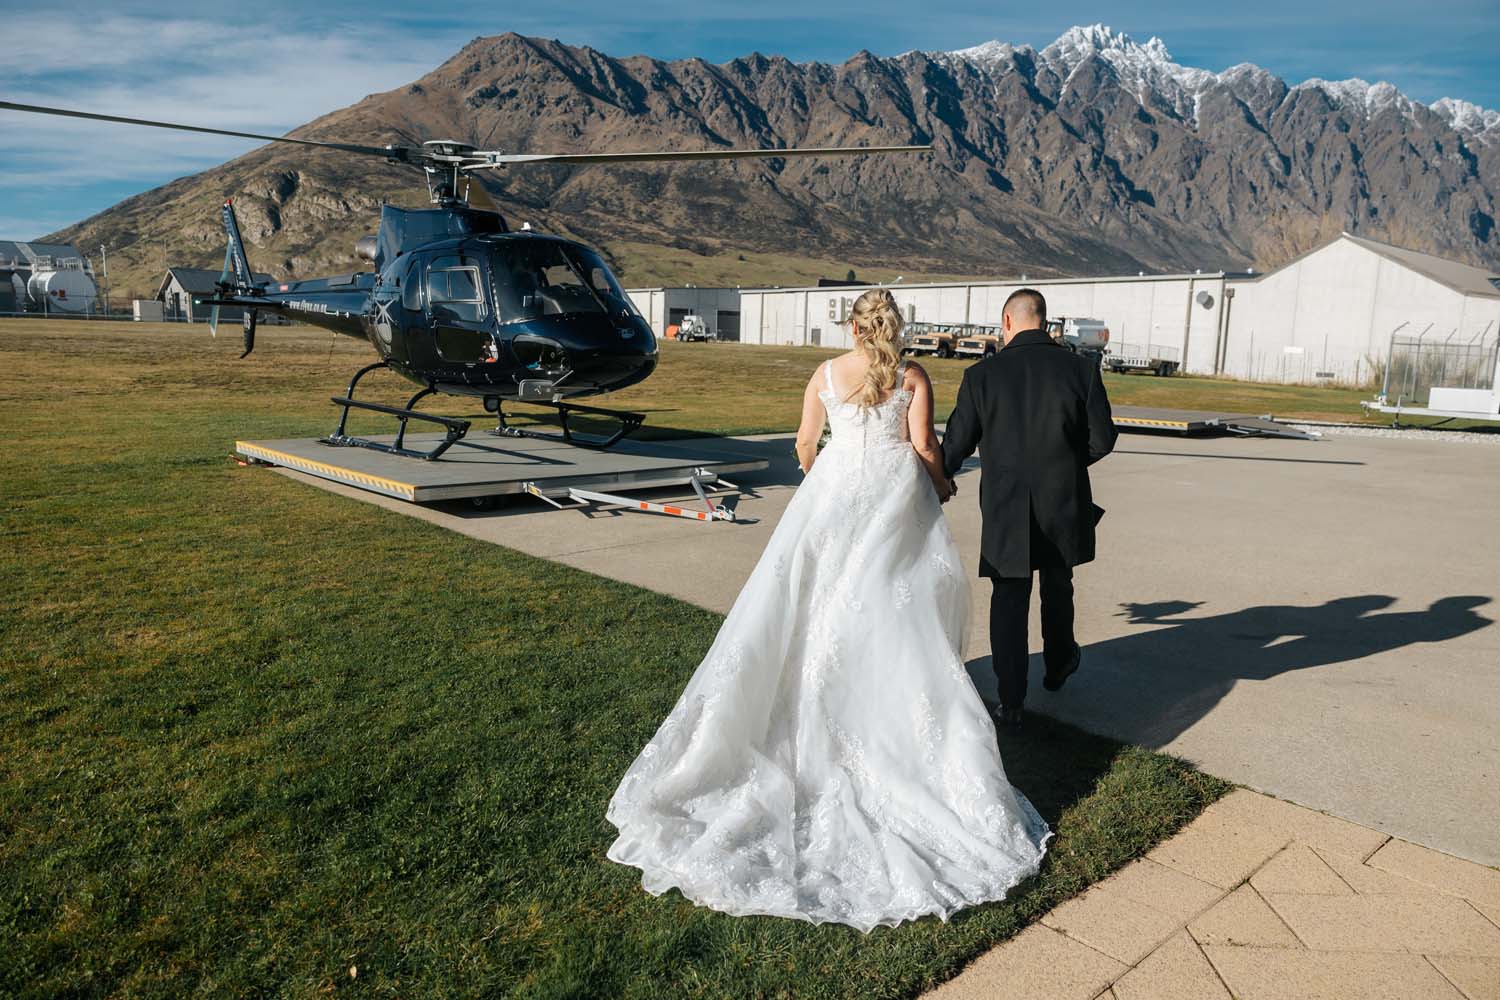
<point>919,428</point>
<point>811,429</point>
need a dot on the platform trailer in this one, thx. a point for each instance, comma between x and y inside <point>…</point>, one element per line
<point>486,472</point>
<point>1150,359</point>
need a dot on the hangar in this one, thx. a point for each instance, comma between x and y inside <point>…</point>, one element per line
<point>664,307</point>
<point>1331,314</point>
<point>1327,317</point>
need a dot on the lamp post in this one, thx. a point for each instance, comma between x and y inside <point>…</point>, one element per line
<point>104,255</point>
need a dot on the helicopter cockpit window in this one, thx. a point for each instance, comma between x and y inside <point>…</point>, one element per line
<point>454,293</point>
<point>604,283</point>
<point>535,278</point>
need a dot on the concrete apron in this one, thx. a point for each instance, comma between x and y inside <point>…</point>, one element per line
<point>1310,619</point>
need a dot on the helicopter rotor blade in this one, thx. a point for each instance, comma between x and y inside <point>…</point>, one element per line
<point>494,160</point>
<point>393,152</point>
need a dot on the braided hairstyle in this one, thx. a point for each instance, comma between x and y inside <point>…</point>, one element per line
<point>877,335</point>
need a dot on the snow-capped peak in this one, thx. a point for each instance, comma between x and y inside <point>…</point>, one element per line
<point>1468,118</point>
<point>1144,69</point>
<point>1078,42</point>
<point>1359,95</point>
<point>989,52</point>
<point>1147,70</point>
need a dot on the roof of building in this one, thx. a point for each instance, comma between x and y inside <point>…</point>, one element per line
<point>684,288</point>
<point>28,251</point>
<point>1009,282</point>
<point>1456,275</point>
<point>196,280</point>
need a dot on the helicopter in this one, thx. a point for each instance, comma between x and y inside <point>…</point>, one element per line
<point>457,301</point>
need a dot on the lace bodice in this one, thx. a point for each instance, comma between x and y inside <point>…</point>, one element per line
<point>867,427</point>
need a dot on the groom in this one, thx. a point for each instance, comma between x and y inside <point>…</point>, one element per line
<point>1039,416</point>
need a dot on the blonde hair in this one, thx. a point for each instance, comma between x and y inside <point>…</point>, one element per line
<point>877,324</point>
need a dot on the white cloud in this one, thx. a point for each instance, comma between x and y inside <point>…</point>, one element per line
<point>196,72</point>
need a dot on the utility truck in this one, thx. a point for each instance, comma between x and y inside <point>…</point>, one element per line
<point>692,327</point>
<point>1081,335</point>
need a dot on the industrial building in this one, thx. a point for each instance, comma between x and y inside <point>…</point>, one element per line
<point>1328,316</point>
<point>183,289</point>
<point>664,307</point>
<point>45,278</point>
<point>1171,315</point>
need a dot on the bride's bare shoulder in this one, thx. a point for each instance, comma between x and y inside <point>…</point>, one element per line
<point>915,376</point>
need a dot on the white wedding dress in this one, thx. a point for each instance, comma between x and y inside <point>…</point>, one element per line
<point>830,759</point>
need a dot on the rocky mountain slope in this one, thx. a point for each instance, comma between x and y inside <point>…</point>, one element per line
<point>1096,154</point>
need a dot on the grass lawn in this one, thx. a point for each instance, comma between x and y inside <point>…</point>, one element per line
<point>256,739</point>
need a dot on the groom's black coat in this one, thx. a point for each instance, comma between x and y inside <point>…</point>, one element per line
<point>1039,416</point>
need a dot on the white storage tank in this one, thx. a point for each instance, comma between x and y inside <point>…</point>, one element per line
<point>12,292</point>
<point>61,291</point>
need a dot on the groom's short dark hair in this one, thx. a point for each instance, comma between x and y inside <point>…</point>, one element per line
<point>1029,301</point>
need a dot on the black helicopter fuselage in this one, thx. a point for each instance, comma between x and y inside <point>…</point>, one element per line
<point>460,305</point>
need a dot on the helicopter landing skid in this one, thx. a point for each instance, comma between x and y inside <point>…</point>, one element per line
<point>628,422</point>
<point>454,427</point>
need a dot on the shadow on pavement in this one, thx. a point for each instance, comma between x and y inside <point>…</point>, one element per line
<point>1161,680</point>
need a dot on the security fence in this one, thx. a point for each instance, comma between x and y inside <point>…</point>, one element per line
<point>1420,360</point>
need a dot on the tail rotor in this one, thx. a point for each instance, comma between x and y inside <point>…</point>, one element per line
<point>236,278</point>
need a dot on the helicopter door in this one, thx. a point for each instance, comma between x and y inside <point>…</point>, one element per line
<point>457,310</point>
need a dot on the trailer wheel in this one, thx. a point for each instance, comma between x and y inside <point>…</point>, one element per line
<point>944,351</point>
<point>1164,369</point>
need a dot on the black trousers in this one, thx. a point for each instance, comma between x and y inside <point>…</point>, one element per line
<point>1010,607</point>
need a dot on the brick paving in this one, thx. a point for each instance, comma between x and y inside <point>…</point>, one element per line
<point>1260,899</point>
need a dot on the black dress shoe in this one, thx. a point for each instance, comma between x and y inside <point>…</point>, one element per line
<point>1054,681</point>
<point>1008,717</point>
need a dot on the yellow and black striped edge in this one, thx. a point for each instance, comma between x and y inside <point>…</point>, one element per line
<point>1180,425</point>
<point>380,484</point>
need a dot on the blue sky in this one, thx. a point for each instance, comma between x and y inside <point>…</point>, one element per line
<point>213,63</point>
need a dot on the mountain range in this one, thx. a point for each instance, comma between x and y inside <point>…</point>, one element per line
<point>1096,154</point>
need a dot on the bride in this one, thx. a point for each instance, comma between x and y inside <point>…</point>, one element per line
<point>830,760</point>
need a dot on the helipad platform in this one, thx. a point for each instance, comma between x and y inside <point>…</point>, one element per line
<point>483,466</point>
<point>1153,418</point>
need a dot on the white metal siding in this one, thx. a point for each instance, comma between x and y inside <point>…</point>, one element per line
<point>1333,311</point>
<point>1145,310</point>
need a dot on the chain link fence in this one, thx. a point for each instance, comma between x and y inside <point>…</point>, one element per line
<point>1420,360</point>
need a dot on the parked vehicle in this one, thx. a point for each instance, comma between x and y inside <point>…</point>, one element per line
<point>979,341</point>
<point>1149,359</point>
<point>936,339</point>
<point>1081,335</point>
<point>692,327</point>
